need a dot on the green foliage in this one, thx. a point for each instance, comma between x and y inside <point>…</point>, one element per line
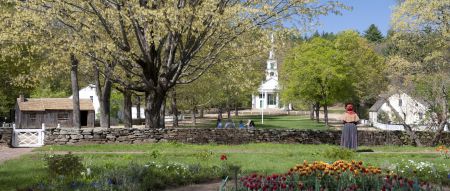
<point>204,155</point>
<point>155,154</point>
<point>424,171</point>
<point>383,117</point>
<point>67,165</point>
<point>338,153</point>
<point>372,34</point>
<point>329,71</point>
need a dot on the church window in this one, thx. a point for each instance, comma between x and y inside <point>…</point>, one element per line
<point>272,66</point>
<point>271,99</point>
<point>271,73</point>
<point>400,102</point>
<point>420,115</point>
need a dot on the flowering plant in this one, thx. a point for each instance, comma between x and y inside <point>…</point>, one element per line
<point>443,151</point>
<point>320,168</point>
<point>339,175</point>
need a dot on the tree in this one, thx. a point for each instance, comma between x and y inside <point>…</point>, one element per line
<point>159,43</point>
<point>314,73</point>
<point>372,34</point>
<point>322,72</point>
<point>419,59</point>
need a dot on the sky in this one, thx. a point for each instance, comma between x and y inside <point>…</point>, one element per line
<point>364,13</point>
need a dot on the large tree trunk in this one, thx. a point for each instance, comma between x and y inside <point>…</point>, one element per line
<point>228,113</point>
<point>311,112</point>
<point>153,103</point>
<point>174,109</point>
<point>317,110</point>
<point>194,119</point>
<point>442,118</point>
<point>162,114</point>
<point>138,107</point>
<point>219,116</point>
<point>104,98</point>
<point>325,112</point>
<point>236,111</point>
<point>202,112</point>
<point>127,104</point>
<point>76,97</point>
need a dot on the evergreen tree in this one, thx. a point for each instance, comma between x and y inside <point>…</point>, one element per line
<point>373,34</point>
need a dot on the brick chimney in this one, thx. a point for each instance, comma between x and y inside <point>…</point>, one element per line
<point>21,98</point>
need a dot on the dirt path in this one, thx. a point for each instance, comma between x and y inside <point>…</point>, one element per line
<point>7,153</point>
<point>214,186</point>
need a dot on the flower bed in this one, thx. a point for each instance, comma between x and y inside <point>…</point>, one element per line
<point>339,175</point>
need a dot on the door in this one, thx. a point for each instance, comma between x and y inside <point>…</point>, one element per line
<point>83,118</point>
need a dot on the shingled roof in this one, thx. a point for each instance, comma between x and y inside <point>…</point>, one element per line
<point>377,105</point>
<point>42,104</point>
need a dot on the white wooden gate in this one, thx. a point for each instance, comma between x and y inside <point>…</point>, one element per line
<point>28,137</point>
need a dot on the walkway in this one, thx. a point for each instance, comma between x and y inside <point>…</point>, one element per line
<point>7,153</point>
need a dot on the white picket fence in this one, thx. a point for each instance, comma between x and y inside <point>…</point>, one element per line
<point>28,137</point>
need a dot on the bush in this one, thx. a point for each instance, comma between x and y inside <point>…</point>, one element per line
<point>424,171</point>
<point>65,165</point>
<point>338,153</point>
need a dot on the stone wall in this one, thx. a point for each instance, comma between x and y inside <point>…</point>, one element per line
<point>226,136</point>
<point>5,136</point>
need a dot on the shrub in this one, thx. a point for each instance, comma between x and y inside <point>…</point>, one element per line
<point>66,165</point>
<point>338,153</point>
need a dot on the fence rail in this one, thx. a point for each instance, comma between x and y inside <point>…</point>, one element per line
<point>6,125</point>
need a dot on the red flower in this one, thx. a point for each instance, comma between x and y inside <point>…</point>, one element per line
<point>223,157</point>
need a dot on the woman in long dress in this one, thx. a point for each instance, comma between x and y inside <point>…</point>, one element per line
<point>349,138</point>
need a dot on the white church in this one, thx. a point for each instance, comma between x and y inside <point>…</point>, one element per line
<point>269,90</point>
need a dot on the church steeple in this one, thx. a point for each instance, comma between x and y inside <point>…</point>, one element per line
<point>271,69</point>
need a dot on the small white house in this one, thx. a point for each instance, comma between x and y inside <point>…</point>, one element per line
<point>411,110</point>
<point>89,92</point>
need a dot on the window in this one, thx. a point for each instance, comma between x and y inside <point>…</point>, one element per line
<point>272,66</point>
<point>32,117</point>
<point>63,116</point>
<point>271,99</point>
<point>271,73</point>
<point>261,96</point>
<point>420,115</point>
<point>400,102</point>
<point>92,98</point>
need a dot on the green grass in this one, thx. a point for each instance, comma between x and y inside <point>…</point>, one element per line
<point>264,157</point>
<point>270,122</point>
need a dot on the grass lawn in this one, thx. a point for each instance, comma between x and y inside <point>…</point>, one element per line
<point>270,122</point>
<point>263,158</point>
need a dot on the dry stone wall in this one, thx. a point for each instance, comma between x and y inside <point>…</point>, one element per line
<point>5,136</point>
<point>226,136</point>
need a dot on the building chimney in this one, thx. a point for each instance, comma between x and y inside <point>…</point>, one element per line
<point>21,98</point>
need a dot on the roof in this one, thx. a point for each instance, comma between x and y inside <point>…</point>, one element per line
<point>383,97</point>
<point>42,104</point>
<point>271,84</point>
<point>375,107</point>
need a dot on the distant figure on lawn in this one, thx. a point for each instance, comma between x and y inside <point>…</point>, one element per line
<point>219,123</point>
<point>229,124</point>
<point>250,124</point>
<point>349,137</point>
<point>241,124</point>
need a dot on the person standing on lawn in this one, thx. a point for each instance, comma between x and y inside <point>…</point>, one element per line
<point>349,137</point>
